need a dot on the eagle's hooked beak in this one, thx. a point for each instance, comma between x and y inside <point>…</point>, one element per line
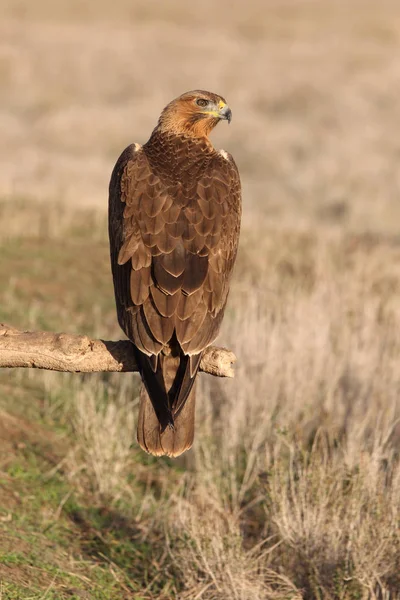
<point>224,111</point>
<point>219,111</point>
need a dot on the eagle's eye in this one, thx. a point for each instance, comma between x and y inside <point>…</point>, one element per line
<point>201,102</point>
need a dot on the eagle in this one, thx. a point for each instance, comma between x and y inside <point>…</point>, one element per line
<point>174,222</point>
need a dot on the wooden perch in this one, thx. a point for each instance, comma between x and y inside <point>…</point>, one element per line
<point>80,354</point>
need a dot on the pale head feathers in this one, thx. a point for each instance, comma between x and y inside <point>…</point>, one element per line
<point>194,113</point>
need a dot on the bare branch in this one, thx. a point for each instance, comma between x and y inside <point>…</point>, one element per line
<point>79,353</point>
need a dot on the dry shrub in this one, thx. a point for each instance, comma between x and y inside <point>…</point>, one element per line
<point>104,430</point>
<point>339,525</point>
<point>207,547</point>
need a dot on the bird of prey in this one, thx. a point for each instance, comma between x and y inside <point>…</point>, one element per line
<point>174,220</point>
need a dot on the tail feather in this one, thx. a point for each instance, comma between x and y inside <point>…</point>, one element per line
<point>174,439</point>
<point>167,404</point>
<point>183,382</point>
<point>156,387</point>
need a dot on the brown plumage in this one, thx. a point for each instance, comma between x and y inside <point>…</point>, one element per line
<point>174,220</point>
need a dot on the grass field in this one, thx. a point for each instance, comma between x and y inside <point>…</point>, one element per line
<point>292,489</point>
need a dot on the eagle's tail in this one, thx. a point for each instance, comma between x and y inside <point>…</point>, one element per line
<point>166,416</point>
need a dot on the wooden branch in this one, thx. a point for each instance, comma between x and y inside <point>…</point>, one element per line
<point>80,354</point>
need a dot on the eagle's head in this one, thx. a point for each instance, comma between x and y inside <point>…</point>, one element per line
<point>194,113</point>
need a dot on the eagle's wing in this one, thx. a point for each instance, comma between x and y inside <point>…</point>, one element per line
<point>215,213</point>
<point>136,200</point>
<point>171,261</point>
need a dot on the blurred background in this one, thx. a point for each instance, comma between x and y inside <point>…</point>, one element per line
<point>292,488</point>
<point>313,85</point>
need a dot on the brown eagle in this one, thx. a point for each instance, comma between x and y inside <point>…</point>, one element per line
<point>174,220</point>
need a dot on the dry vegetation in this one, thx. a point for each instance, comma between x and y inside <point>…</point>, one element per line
<point>292,489</point>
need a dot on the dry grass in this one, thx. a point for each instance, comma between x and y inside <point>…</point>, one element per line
<point>105,435</point>
<point>292,489</point>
